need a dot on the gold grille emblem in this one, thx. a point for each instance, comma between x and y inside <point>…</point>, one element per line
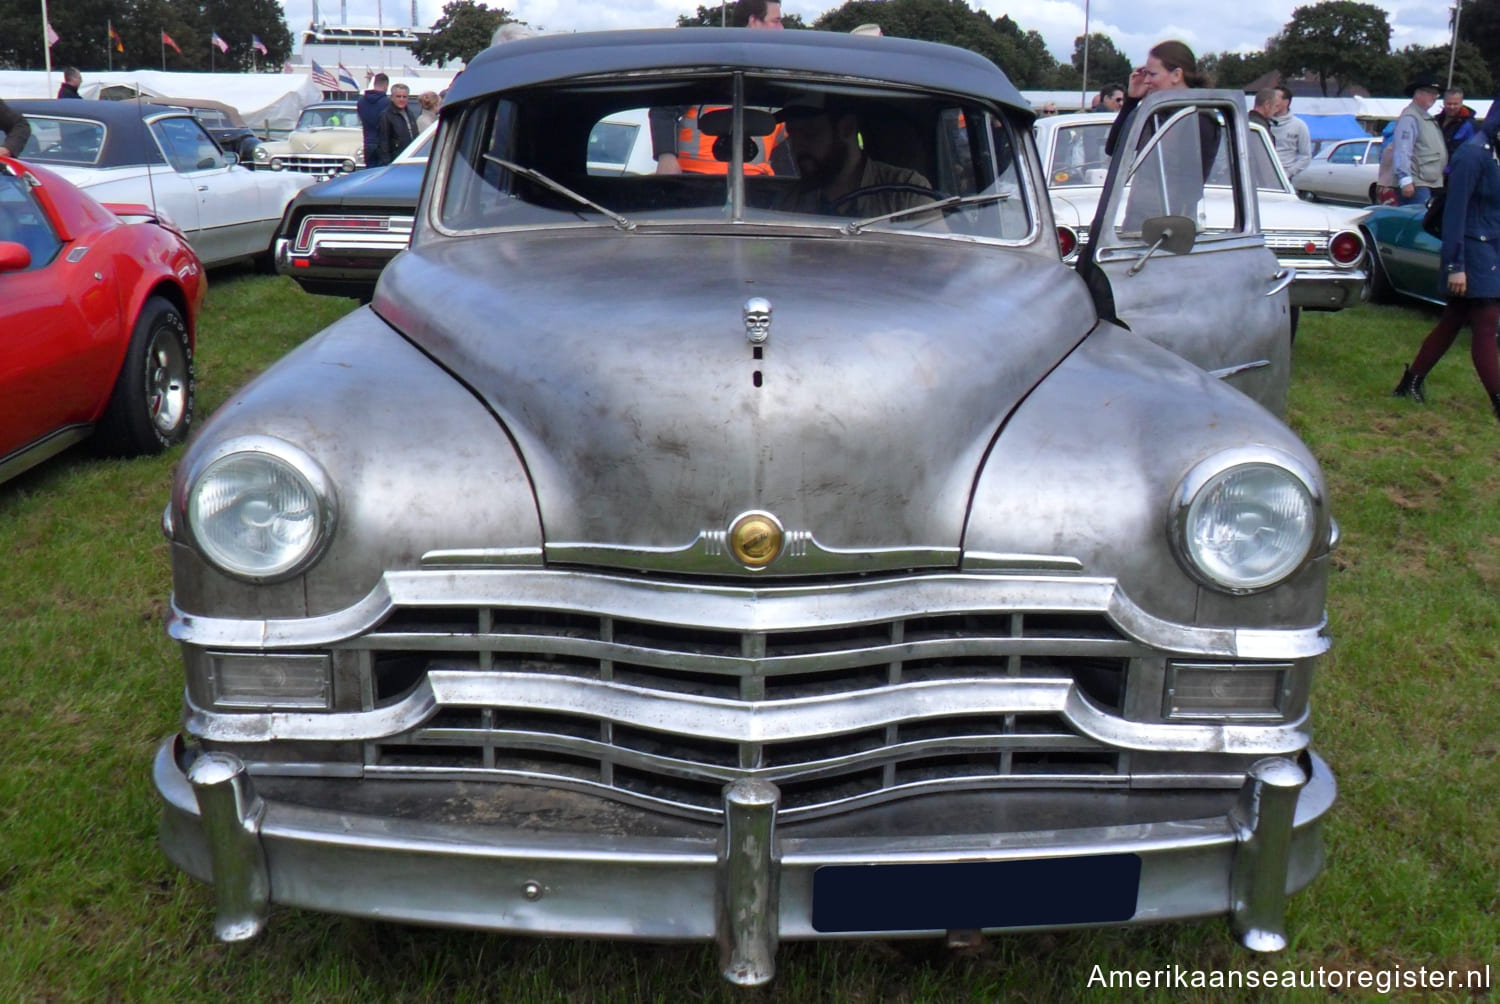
<point>755,539</point>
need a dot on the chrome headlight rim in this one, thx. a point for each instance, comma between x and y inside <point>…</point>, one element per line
<point>1223,465</point>
<point>297,460</point>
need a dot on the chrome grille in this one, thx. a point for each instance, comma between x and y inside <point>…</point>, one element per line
<point>651,763</point>
<point>313,163</point>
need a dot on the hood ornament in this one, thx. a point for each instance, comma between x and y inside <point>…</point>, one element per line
<point>757,319</point>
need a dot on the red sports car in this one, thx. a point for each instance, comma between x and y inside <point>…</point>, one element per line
<point>98,307</point>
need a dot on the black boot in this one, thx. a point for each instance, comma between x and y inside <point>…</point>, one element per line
<point>1411,386</point>
<point>1495,403</point>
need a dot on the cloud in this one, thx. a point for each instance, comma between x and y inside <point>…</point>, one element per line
<point>1134,25</point>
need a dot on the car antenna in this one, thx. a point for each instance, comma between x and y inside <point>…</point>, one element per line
<point>150,178</point>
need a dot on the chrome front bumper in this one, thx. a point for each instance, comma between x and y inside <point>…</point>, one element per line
<point>540,861</point>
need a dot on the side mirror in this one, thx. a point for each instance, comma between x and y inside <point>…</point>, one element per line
<point>1173,233</point>
<point>231,158</point>
<point>14,257</point>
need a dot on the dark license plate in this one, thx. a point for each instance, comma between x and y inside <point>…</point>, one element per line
<point>966,895</point>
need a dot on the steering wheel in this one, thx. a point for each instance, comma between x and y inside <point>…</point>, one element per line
<point>858,193</point>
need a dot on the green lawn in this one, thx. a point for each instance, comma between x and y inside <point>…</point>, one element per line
<point>1406,713</point>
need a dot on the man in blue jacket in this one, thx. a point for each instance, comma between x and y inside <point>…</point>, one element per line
<point>372,105</point>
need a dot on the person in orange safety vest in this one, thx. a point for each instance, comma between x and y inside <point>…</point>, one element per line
<point>677,143</point>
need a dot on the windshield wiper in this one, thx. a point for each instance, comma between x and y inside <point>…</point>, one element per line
<point>855,226</point>
<point>561,189</point>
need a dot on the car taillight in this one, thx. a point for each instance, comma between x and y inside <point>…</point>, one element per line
<point>1067,241</point>
<point>1346,247</point>
<point>312,224</point>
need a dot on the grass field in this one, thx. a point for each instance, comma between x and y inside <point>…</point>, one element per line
<point>1406,713</point>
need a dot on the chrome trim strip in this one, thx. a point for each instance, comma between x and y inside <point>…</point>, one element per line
<point>740,665</point>
<point>803,555</point>
<point>1229,371</point>
<point>787,720</point>
<point>483,557</point>
<point>983,561</point>
<point>744,608</point>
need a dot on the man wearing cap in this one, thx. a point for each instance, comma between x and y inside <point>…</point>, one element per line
<point>1418,153</point>
<point>831,164</point>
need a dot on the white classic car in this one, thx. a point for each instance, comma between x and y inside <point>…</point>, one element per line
<point>327,140</point>
<point>130,152</point>
<point>1322,243</point>
<point>1343,172</point>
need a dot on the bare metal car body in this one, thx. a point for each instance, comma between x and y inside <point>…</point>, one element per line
<point>683,558</point>
<point>1323,244</point>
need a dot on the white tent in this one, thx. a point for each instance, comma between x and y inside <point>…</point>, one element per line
<point>269,102</point>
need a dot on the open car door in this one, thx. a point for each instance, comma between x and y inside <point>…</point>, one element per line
<point>1175,252</point>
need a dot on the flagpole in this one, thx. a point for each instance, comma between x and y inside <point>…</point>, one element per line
<point>109,45</point>
<point>47,46</point>
<point>163,33</point>
<point>211,48</point>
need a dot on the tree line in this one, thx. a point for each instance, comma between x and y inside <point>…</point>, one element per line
<point>1342,44</point>
<point>84,40</point>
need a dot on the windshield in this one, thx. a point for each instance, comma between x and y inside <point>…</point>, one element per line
<point>328,118</point>
<point>1077,155</point>
<point>792,152</point>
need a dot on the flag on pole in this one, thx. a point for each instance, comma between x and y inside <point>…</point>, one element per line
<point>167,40</point>
<point>114,36</point>
<point>218,42</point>
<point>345,77</point>
<point>52,36</point>
<point>323,79</point>
<point>258,45</point>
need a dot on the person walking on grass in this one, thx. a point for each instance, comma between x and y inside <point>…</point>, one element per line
<point>1470,265</point>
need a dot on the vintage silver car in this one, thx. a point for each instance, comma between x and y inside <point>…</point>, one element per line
<point>748,557</point>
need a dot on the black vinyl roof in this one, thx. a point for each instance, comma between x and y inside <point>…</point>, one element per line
<point>543,59</point>
<point>126,140</point>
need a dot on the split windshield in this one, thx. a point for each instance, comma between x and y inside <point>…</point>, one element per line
<point>746,149</point>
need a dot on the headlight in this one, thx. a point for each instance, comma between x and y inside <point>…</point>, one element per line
<point>261,155</point>
<point>275,163</point>
<point>1245,526</point>
<point>260,509</point>
<point>348,165</point>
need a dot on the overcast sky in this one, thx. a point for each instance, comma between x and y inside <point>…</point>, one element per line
<point>1135,25</point>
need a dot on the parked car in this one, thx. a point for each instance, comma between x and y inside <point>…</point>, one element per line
<point>337,236</point>
<point>747,559</point>
<point>1322,243</point>
<point>1405,260</point>
<point>327,140</point>
<point>1343,172</point>
<point>224,124</point>
<point>97,323</point>
<point>162,157</point>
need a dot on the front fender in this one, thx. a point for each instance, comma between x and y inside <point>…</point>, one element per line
<point>416,461</point>
<point>1087,467</point>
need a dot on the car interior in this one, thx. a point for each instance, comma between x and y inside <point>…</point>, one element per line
<point>554,133</point>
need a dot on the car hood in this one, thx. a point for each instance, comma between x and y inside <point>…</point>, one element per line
<point>333,139</point>
<point>621,367</point>
<point>395,184</point>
